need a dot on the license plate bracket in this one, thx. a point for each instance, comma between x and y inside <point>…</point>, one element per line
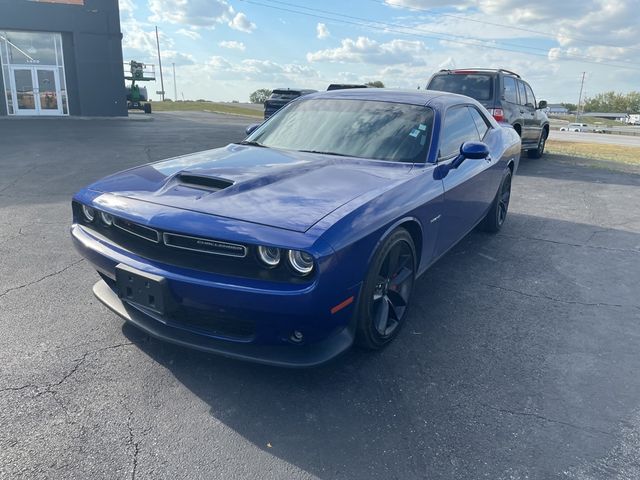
<point>141,288</point>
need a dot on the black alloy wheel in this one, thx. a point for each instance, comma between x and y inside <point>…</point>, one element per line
<point>497,214</point>
<point>387,291</point>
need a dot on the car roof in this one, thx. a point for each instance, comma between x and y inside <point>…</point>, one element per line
<point>412,97</point>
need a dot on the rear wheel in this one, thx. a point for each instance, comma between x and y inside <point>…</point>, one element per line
<point>538,152</point>
<point>497,214</point>
<point>147,108</point>
<point>386,291</point>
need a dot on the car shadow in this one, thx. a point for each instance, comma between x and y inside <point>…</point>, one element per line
<point>510,361</point>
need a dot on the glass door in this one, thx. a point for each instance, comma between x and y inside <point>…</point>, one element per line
<point>36,90</point>
<point>49,101</point>
<point>23,91</point>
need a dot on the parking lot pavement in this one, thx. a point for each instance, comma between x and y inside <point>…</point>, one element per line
<point>519,359</point>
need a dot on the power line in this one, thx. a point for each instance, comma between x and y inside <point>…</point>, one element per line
<point>502,25</point>
<point>435,35</point>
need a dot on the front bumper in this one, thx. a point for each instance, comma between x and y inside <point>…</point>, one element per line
<point>276,311</point>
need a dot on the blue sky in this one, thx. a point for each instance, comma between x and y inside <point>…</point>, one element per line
<point>225,49</point>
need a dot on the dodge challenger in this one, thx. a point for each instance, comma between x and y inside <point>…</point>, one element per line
<point>308,236</point>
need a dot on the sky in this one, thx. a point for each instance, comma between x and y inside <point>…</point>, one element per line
<point>225,49</point>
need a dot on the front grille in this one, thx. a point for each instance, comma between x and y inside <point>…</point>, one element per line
<point>137,229</point>
<point>205,245</point>
<point>209,255</point>
<point>203,321</point>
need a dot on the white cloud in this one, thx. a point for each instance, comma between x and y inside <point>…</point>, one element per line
<point>232,45</point>
<point>365,50</point>
<point>201,13</point>
<point>264,71</point>
<point>126,6</point>
<point>180,59</point>
<point>189,33</point>
<point>322,31</point>
<point>241,22</point>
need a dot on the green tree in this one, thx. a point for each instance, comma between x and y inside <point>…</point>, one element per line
<point>572,107</point>
<point>608,102</point>
<point>376,84</point>
<point>260,95</point>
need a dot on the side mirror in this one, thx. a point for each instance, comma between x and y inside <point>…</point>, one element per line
<point>474,150</point>
<point>252,128</point>
<point>542,104</point>
<point>471,150</point>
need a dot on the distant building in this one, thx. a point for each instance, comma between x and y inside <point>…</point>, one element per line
<point>61,57</point>
<point>556,109</point>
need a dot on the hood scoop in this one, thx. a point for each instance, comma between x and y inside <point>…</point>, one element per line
<point>203,182</point>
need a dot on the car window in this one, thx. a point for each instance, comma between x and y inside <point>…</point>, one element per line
<point>284,95</point>
<point>458,127</point>
<point>510,90</point>
<point>472,85</point>
<point>480,121</point>
<point>396,132</point>
<point>523,94</point>
<point>531,99</point>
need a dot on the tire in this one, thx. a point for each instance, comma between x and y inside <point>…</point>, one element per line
<point>497,214</point>
<point>538,152</point>
<point>147,108</point>
<point>386,292</point>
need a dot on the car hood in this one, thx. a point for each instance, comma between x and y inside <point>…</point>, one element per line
<point>284,189</point>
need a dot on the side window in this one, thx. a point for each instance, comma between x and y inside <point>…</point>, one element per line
<point>523,95</point>
<point>480,121</point>
<point>510,90</point>
<point>458,127</point>
<point>531,99</point>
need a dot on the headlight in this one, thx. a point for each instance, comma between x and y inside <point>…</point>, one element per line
<point>89,213</point>
<point>270,256</point>
<point>301,262</point>
<point>107,218</point>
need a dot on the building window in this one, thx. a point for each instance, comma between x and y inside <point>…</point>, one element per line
<point>33,73</point>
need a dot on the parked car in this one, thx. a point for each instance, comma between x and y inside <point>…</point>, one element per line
<point>280,97</point>
<point>287,247</point>
<point>345,86</point>
<point>507,96</point>
<point>576,127</point>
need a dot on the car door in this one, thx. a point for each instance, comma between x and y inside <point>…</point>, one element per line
<point>528,111</point>
<point>468,189</point>
<point>535,121</point>
<point>510,102</point>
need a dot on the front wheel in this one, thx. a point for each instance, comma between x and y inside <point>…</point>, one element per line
<point>386,291</point>
<point>497,214</point>
<point>538,152</point>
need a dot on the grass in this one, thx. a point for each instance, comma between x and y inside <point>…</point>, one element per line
<point>588,120</point>
<point>214,107</point>
<point>612,153</point>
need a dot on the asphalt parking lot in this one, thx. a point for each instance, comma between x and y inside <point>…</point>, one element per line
<point>520,358</point>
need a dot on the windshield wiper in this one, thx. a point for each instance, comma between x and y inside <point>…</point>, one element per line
<point>252,143</point>
<point>325,153</point>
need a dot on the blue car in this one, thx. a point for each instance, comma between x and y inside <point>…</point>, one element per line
<point>308,236</point>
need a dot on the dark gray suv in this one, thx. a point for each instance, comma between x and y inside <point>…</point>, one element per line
<point>507,97</point>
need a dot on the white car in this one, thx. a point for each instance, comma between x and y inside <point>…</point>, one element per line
<point>576,127</point>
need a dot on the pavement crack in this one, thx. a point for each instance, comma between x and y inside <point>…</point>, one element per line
<point>546,419</point>
<point>49,275</point>
<point>17,389</point>
<point>17,179</point>
<point>559,300</point>
<point>135,445</point>
<point>583,245</point>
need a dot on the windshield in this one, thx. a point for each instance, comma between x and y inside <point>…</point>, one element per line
<point>368,129</point>
<point>472,85</point>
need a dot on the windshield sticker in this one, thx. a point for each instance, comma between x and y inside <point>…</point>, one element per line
<point>414,133</point>
<point>422,127</point>
<point>423,140</point>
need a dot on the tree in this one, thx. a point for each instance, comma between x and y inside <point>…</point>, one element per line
<point>608,102</point>
<point>260,95</point>
<point>376,84</point>
<point>572,107</point>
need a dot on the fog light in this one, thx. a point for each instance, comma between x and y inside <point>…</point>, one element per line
<point>107,218</point>
<point>296,336</point>
<point>89,213</point>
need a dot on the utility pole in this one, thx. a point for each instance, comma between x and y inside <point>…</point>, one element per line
<point>175,88</point>
<point>160,64</point>
<point>580,97</point>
